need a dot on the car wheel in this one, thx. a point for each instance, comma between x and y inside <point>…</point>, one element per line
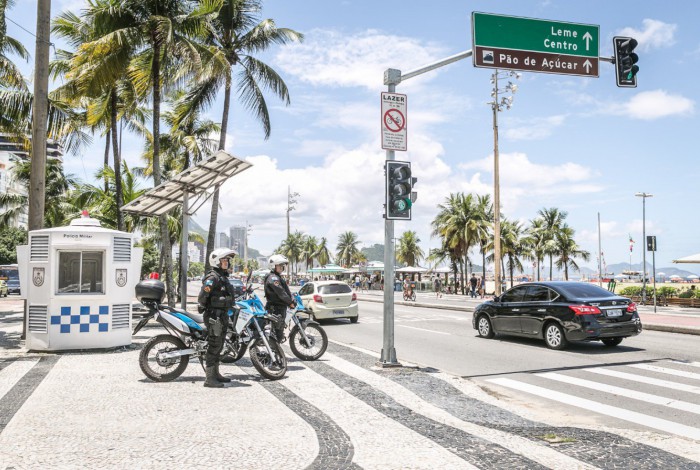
<point>554,336</point>
<point>354,319</point>
<point>484,327</point>
<point>611,342</point>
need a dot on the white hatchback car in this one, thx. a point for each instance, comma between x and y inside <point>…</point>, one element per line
<point>330,299</point>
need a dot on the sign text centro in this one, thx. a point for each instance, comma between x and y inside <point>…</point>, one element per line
<point>394,119</point>
<point>530,44</point>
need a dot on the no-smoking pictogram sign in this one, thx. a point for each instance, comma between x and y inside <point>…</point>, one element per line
<point>394,121</point>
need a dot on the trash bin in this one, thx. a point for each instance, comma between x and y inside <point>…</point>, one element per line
<point>397,286</point>
<point>79,286</point>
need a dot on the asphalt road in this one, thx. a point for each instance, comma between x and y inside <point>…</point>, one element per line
<point>445,340</point>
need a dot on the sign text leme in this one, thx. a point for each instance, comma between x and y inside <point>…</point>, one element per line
<point>530,44</point>
<point>394,117</point>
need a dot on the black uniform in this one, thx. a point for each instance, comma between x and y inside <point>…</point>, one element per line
<point>278,297</point>
<point>215,299</point>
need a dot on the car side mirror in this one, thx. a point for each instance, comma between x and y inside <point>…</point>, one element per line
<point>496,298</point>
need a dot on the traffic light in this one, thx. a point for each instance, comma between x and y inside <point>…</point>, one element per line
<point>625,61</point>
<point>399,186</point>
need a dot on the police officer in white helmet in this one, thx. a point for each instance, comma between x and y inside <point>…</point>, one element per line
<point>277,293</point>
<point>215,299</point>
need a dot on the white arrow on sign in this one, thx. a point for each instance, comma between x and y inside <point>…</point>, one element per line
<point>588,38</point>
<point>587,65</point>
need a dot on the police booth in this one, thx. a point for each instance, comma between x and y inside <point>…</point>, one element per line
<point>79,284</point>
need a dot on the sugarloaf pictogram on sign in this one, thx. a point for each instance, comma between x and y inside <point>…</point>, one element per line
<point>394,121</point>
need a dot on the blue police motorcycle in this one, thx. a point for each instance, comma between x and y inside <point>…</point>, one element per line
<point>165,357</point>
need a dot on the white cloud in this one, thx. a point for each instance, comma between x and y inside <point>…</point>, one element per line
<point>649,105</point>
<point>334,58</point>
<point>654,34</point>
<point>535,129</point>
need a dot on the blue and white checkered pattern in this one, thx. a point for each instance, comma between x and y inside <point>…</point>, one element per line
<point>84,322</point>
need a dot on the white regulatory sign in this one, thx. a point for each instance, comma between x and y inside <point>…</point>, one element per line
<point>394,121</point>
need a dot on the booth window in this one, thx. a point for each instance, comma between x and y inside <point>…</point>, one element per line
<point>80,272</point>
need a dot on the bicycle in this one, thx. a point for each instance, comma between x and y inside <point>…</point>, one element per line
<point>409,294</point>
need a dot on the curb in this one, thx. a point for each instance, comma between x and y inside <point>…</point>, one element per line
<point>686,330</point>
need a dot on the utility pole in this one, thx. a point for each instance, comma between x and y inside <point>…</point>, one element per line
<point>245,244</point>
<point>644,197</point>
<point>392,77</point>
<point>290,206</point>
<point>37,178</point>
<point>497,106</point>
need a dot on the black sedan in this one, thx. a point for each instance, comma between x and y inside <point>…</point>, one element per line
<point>559,312</point>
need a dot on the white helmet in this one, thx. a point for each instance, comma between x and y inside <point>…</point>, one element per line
<point>220,253</point>
<point>276,260</point>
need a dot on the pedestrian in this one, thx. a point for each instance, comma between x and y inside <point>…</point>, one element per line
<point>357,282</point>
<point>437,285</point>
<point>278,295</point>
<point>472,283</point>
<point>214,301</point>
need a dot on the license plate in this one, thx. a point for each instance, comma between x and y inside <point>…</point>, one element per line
<point>338,312</point>
<point>616,312</point>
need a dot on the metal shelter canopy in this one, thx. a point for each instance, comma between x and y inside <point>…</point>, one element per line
<point>688,259</point>
<point>196,181</point>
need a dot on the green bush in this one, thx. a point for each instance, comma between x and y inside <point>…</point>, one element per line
<point>630,291</point>
<point>667,291</point>
<point>687,294</point>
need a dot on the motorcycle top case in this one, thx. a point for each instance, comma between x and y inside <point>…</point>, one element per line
<point>150,289</point>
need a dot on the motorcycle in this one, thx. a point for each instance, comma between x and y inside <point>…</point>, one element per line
<point>165,357</point>
<point>307,339</point>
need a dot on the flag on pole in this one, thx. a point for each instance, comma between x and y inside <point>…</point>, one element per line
<point>631,243</point>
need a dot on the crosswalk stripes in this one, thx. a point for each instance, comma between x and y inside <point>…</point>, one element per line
<point>604,403</point>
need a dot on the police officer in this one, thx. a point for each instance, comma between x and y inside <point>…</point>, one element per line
<point>278,294</point>
<point>215,299</point>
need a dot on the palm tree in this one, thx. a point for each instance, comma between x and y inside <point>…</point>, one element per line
<point>292,247</point>
<point>58,209</point>
<point>323,253</point>
<point>438,255</point>
<point>102,204</point>
<point>149,37</point>
<point>567,250</point>
<point>310,247</point>
<point>408,251</point>
<point>553,219</point>
<point>10,76</point>
<point>484,209</point>
<point>513,247</point>
<point>347,247</point>
<point>233,36</point>
<point>536,242</point>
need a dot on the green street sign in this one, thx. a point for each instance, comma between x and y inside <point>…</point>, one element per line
<point>531,44</point>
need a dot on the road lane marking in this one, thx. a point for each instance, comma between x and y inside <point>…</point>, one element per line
<point>624,392</point>
<point>693,363</point>
<point>601,408</point>
<point>643,379</point>
<point>666,370</point>
<point>423,329</point>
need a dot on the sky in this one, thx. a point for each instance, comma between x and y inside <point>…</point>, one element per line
<point>580,144</point>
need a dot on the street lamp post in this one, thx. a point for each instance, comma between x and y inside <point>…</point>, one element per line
<point>290,205</point>
<point>644,197</point>
<point>497,106</point>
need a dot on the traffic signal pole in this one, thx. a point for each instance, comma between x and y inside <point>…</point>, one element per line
<point>393,77</point>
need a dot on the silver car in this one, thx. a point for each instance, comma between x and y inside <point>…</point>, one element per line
<point>330,299</point>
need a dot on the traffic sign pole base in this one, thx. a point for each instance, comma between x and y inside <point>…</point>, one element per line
<point>388,365</point>
<point>388,360</point>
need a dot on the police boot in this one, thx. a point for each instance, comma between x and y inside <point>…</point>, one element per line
<point>219,376</point>
<point>279,336</point>
<point>211,380</point>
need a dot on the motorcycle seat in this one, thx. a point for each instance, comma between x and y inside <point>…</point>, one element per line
<point>194,316</point>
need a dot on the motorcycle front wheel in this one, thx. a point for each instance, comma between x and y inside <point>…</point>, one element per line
<point>318,342</point>
<point>157,368</point>
<point>263,363</point>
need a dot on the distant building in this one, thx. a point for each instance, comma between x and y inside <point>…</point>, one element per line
<point>194,253</point>
<point>223,241</point>
<point>238,239</point>
<point>202,251</point>
<point>12,153</point>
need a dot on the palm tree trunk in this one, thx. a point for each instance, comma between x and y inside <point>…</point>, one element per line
<point>163,219</point>
<point>106,163</point>
<point>550,267</point>
<point>538,269</point>
<point>215,198</point>
<point>483,266</point>
<point>510,268</point>
<point>566,270</point>
<point>117,163</point>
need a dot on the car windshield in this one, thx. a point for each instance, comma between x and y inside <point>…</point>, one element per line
<point>585,291</point>
<point>334,289</point>
<point>236,282</point>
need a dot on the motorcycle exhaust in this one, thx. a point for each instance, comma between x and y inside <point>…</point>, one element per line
<point>174,354</point>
